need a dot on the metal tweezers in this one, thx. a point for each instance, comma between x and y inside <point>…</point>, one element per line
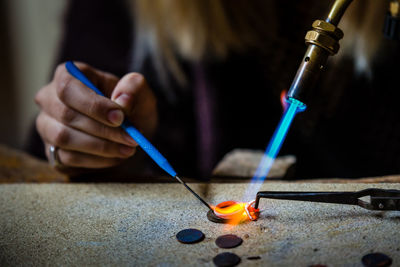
<point>380,199</point>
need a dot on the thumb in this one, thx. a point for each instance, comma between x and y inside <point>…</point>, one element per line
<point>137,100</point>
<point>128,91</point>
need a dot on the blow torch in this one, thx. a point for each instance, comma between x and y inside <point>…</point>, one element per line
<point>323,41</point>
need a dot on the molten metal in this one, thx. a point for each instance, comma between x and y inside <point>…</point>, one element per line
<point>236,212</point>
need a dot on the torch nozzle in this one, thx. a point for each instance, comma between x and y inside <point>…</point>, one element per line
<point>194,193</point>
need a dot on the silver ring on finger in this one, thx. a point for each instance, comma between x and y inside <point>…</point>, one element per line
<point>54,160</point>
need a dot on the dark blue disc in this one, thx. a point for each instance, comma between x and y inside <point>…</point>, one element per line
<point>376,259</point>
<point>228,241</point>
<point>190,236</point>
<point>226,259</point>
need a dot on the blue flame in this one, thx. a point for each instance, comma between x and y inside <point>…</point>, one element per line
<point>275,144</point>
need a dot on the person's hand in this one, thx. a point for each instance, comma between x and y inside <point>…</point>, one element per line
<point>83,126</point>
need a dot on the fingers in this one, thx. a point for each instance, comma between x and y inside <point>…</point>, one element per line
<point>77,96</point>
<point>83,125</point>
<point>73,140</point>
<point>53,107</point>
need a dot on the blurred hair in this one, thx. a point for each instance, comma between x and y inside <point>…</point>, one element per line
<point>362,25</point>
<point>195,30</point>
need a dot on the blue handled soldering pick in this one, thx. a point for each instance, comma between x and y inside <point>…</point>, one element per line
<point>135,134</point>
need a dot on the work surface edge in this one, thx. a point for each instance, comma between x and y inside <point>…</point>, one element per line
<point>132,224</point>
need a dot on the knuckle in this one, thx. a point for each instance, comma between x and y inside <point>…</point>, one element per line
<point>95,107</point>
<point>104,148</point>
<point>63,87</point>
<point>119,134</point>
<point>61,136</point>
<point>67,115</point>
<point>106,132</point>
<point>98,147</point>
<point>112,134</point>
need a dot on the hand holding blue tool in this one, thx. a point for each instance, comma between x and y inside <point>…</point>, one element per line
<point>135,134</point>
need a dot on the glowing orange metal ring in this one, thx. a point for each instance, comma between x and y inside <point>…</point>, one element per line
<point>236,212</point>
<point>228,209</point>
<point>251,210</point>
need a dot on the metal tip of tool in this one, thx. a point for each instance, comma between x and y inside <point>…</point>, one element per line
<point>194,193</point>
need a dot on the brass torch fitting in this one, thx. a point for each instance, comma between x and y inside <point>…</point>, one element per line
<point>325,35</point>
<point>394,8</point>
<point>322,41</point>
<point>391,27</point>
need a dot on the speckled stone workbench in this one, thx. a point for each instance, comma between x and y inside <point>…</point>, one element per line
<point>135,225</point>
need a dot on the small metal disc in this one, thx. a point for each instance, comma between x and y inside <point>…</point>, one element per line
<point>376,259</point>
<point>252,258</point>
<point>226,259</point>
<point>190,236</point>
<point>228,241</point>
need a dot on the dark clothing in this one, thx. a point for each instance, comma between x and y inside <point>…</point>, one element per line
<point>350,129</point>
